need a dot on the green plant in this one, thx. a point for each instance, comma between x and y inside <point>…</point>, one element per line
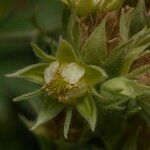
<point>93,70</point>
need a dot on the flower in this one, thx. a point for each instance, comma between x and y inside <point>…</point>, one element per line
<point>66,79</point>
<point>62,81</point>
<point>66,82</point>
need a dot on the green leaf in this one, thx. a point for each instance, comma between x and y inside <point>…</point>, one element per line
<point>138,71</point>
<point>125,21</point>
<point>67,121</point>
<point>34,73</point>
<point>71,26</point>
<point>50,109</point>
<point>94,74</point>
<point>103,4</point>
<point>138,19</point>
<point>77,38</point>
<point>41,54</point>
<point>94,50</point>
<point>73,32</point>
<point>87,108</point>
<point>145,39</point>
<point>114,5</point>
<point>29,95</point>
<point>130,57</point>
<point>138,37</point>
<point>65,52</point>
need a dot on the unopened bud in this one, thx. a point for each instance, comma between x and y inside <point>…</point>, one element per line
<point>83,7</point>
<point>117,88</point>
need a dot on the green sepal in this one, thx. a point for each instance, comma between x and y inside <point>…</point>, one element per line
<point>33,73</point>
<point>94,74</point>
<point>41,54</point>
<point>94,50</point>
<point>87,108</point>
<point>67,121</point>
<point>96,94</point>
<point>65,52</point>
<point>28,95</point>
<point>49,110</point>
<point>130,57</point>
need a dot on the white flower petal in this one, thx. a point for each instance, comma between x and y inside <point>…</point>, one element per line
<point>72,73</point>
<point>50,71</point>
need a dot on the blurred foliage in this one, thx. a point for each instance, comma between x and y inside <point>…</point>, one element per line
<point>18,27</point>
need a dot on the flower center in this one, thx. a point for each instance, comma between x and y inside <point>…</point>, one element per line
<point>63,90</point>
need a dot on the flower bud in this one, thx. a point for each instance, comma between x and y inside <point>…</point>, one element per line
<point>117,88</point>
<point>83,7</point>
